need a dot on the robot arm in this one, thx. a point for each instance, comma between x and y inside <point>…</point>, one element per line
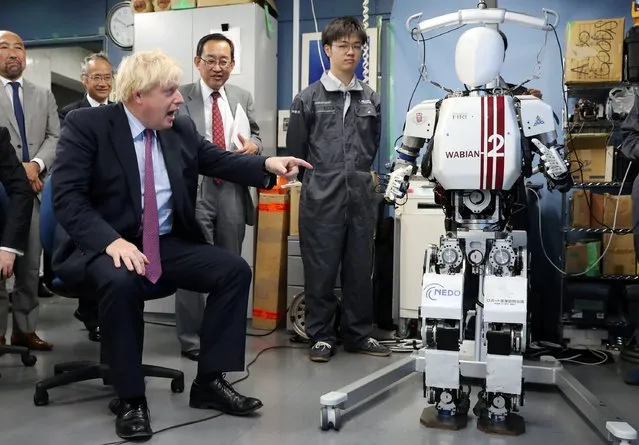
<point>420,127</point>
<point>537,121</point>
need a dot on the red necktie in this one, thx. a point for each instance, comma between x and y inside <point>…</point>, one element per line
<point>150,220</point>
<point>217,125</point>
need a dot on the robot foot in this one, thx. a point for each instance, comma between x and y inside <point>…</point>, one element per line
<point>514,425</point>
<point>432,419</point>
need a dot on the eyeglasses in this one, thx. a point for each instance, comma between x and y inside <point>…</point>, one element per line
<point>222,63</point>
<point>101,77</point>
<point>344,47</point>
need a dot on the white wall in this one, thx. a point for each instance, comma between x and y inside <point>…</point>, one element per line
<point>62,65</point>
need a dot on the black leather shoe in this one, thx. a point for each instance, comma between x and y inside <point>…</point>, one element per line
<point>194,354</point>
<point>132,422</point>
<point>220,395</point>
<point>43,291</point>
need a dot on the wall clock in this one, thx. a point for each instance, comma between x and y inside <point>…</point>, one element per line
<point>119,25</point>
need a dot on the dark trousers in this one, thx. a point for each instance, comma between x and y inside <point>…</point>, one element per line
<point>198,267</point>
<point>324,246</point>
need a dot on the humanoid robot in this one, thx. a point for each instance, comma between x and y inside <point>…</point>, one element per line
<point>481,143</point>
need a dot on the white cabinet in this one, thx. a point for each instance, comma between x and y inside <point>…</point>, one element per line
<point>420,222</point>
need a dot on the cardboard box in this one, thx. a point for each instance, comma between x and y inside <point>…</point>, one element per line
<point>294,222</point>
<point>603,208</point>
<point>580,256</point>
<point>594,51</point>
<point>207,3</point>
<point>620,257</point>
<point>591,160</point>
<point>269,294</point>
<point>580,202</point>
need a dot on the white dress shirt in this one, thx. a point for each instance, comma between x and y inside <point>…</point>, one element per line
<point>93,102</point>
<point>225,110</point>
<point>163,190</point>
<point>9,90</point>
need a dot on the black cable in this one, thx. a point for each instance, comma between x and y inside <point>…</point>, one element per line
<point>423,41</point>
<point>248,373</point>
<point>215,416</point>
<point>248,334</point>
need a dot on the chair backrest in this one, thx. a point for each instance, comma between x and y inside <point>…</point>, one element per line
<point>48,222</point>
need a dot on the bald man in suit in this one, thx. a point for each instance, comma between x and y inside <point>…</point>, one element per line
<point>30,114</point>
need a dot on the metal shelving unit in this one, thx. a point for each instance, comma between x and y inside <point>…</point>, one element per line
<point>570,234</point>
<point>596,92</point>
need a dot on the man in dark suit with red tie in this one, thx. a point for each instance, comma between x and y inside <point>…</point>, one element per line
<point>124,189</point>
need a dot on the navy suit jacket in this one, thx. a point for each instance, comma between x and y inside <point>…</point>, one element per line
<point>16,202</point>
<point>96,183</point>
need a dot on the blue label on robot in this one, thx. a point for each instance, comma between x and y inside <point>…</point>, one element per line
<point>432,291</point>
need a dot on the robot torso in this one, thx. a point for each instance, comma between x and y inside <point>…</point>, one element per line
<point>477,144</point>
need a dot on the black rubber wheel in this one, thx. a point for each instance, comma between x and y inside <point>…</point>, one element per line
<point>177,385</point>
<point>41,397</point>
<point>28,360</point>
<point>324,425</point>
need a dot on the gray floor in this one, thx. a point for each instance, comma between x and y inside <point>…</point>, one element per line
<point>284,379</point>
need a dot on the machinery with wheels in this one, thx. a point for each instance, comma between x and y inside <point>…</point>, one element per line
<point>481,145</point>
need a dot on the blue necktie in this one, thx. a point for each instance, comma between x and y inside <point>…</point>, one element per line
<point>17,109</point>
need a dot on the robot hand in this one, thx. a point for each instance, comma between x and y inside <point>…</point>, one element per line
<point>555,168</point>
<point>398,182</point>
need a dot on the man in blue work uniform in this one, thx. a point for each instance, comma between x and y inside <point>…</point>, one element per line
<point>335,124</point>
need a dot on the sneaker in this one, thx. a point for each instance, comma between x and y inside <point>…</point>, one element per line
<point>371,346</point>
<point>321,351</point>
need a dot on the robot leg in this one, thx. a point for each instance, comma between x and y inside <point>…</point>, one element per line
<point>442,315</point>
<point>505,320</point>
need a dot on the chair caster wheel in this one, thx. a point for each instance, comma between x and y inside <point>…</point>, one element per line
<point>330,418</point>
<point>41,397</point>
<point>28,360</point>
<point>177,385</point>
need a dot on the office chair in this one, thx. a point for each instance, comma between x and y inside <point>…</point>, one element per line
<point>25,355</point>
<point>80,371</point>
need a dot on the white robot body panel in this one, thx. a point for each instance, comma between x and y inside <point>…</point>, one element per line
<point>504,373</point>
<point>536,116</point>
<point>477,144</point>
<point>505,300</point>
<point>442,296</point>
<point>421,119</point>
<point>441,368</point>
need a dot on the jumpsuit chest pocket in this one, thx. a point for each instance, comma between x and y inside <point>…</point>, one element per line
<point>366,121</point>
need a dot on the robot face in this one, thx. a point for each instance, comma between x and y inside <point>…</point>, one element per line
<point>499,402</point>
<point>479,56</point>
<point>446,397</point>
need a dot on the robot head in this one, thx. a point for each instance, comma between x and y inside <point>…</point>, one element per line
<point>479,56</point>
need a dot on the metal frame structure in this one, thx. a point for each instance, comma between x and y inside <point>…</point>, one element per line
<point>548,372</point>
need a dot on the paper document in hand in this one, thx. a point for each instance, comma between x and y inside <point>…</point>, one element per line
<point>240,125</point>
